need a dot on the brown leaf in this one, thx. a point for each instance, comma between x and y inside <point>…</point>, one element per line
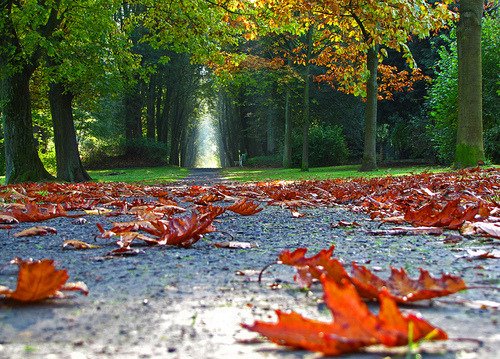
<point>36,231</point>
<point>4,218</point>
<point>402,288</point>
<point>236,245</point>
<point>245,208</point>
<point>76,244</point>
<point>399,286</point>
<point>353,326</point>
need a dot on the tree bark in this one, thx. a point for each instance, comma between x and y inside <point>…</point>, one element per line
<point>133,116</point>
<point>306,105</point>
<point>22,163</point>
<point>21,157</point>
<point>370,145</point>
<point>151,107</point>
<point>470,149</point>
<point>69,164</point>
<point>287,148</point>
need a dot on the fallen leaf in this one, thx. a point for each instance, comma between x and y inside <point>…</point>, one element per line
<point>76,244</point>
<point>353,326</point>
<point>38,280</point>
<point>482,254</point>
<point>402,288</point>
<point>245,207</point>
<point>36,231</point>
<point>236,245</point>
<point>97,211</point>
<point>399,286</point>
<point>5,218</point>
<point>344,224</point>
<point>403,231</point>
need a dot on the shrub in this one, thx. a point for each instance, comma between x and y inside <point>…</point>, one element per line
<point>443,95</point>
<point>327,147</point>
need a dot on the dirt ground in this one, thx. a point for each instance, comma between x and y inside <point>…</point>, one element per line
<point>189,303</point>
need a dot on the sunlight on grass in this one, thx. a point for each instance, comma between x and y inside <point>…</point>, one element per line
<point>320,173</point>
<point>148,175</point>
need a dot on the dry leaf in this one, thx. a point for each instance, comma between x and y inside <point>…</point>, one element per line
<point>4,218</point>
<point>245,207</point>
<point>40,280</point>
<point>236,245</point>
<point>76,244</point>
<point>35,231</point>
<point>399,286</point>
<point>353,326</point>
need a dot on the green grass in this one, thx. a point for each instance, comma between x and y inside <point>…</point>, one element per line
<point>147,175</point>
<point>321,173</point>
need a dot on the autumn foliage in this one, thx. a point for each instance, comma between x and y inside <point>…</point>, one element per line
<point>353,326</point>
<point>38,280</point>
<point>157,216</point>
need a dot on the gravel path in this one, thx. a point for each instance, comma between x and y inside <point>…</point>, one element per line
<point>188,303</point>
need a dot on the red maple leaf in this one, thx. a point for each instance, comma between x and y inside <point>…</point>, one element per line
<point>353,326</point>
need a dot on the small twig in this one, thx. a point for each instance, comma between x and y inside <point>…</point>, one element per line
<point>263,269</point>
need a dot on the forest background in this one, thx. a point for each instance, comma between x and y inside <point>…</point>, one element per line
<point>154,82</point>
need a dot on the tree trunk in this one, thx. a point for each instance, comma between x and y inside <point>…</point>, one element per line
<point>69,164</point>
<point>287,148</point>
<point>21,157</point>
<point>271,118</point>
<point>133,117</point>
<point>306,107</point>
<point>370,144</point>
<point>469,151</point>
<point>151,107</point>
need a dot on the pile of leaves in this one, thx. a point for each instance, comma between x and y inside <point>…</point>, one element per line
<point>180,216</point>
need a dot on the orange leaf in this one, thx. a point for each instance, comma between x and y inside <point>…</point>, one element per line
<point>40,280</point>
<point>402,288</point>
<point>184,232</point>
<point>245,208</point>
<point>399,286</point>
<point>76,244</point>
<point>353,326</point>
<point>36,231</point>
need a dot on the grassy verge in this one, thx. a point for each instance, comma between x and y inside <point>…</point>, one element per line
<point>350,171</point>
<point>146,175</point>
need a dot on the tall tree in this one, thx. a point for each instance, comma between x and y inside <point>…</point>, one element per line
<point>69,164</point>
<point>354,29</point>
<point>469,150</point>
<point>82,63</point>
<point>33,22</point>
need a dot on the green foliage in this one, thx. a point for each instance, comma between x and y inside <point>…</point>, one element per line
<point>416,145</point>
<point>327,147</point>
<point>148,148</point>
<point>443,95</point>
<point>443,102</point>
<point>48,157</point>
<point>264,161</point>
